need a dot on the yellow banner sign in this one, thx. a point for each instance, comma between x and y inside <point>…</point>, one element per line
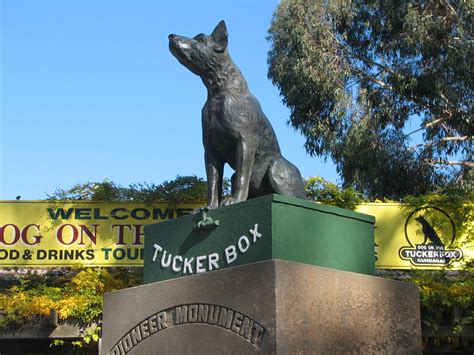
<point>111,234</point>
<point>87,233</point>
<point>428,237</point>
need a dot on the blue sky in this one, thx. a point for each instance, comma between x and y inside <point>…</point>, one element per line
<point>89,91</point>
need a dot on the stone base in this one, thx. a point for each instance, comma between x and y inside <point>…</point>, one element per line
<point>273,306</point>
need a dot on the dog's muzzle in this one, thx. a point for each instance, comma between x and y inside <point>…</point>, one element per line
<point>177,42</point>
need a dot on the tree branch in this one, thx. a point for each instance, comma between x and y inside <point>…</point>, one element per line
<point>432,123</point>
<point>374,80</point>
<point>457,138</point>
<point>468,163</point>
<point>429,124</point>
<point>442,140</point>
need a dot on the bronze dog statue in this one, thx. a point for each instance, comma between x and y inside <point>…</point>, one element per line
<point>235,130</point>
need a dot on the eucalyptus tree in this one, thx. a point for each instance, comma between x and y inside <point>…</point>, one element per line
<point>383,88</point>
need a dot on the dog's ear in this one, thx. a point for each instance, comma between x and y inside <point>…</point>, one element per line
<point>220,37</point>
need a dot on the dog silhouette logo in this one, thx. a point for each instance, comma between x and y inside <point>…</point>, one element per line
<point>430,233</point>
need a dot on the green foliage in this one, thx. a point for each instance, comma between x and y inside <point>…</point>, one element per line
<point>183,188</point>
<point>445,300</point>
<point>77,295</point>
<point>358,75</point>
<point>57,342</point>
<point>326,192</point>
<point>91,191</point>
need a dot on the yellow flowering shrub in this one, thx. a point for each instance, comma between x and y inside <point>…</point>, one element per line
<point>78,297</point>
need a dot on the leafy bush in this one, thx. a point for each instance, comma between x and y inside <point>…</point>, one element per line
<point>77,296</point>
<point>183,188</point>
<point>321,190</point>
<point>445,299</point>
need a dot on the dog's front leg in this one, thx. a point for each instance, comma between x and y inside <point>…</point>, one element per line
<point>245,156</point>
<point>214,172</point>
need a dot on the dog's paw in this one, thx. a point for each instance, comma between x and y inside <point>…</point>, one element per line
<point>229,200</point>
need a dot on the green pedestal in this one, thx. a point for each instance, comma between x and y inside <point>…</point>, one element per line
<point>270,227</point>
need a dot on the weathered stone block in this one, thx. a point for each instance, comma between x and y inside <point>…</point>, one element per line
<point>267,307</point>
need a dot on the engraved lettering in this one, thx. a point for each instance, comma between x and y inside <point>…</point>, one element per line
<point>144,329</point>
<point>230,254</point>
<point>199,263</point>
<point>246,328</point>
<point>136,335</point>
<point>203,313</point>
<point>188,265</point>
<point>236,323</point>
<point>181,314</point>
<point>243,243</point>
<point>157,250</point>
<point>257,335</point>
<point>193,313</point>
<point>175,266</point>
<point>209,262</point>
<point>152,324</point>
<point>196,313</point>
<point>162,320</point>
<point>212,261</point>
<point>214,314</point>
<point>122,350</point>
<point>256,235</point>
<point>127,342</point>
<point>165,262</point>
<point>225,317</point>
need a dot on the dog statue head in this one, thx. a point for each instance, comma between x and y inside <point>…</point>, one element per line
<point>201,53</point>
